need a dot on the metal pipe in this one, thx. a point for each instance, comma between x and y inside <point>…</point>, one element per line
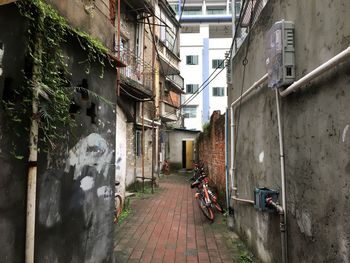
<point>317,71</point>
<point>226,161</point>
<point>254,86</point>
<point>118,39</point>
<point>242,200</point>
<point>283,228</point>
<point>143,149</point>
<point>283,180</point>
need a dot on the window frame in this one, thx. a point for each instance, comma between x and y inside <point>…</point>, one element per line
<point>218,91</point>
<point>192,61</point>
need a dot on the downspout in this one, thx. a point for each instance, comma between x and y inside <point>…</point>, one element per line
<point>226,162</point>
<point>143,148</point>
<point>283,213</point>
<point>118,40</point>
<point>33,148</point>
<point>154,110</point>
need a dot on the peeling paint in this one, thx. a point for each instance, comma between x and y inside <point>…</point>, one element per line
<point>87,183</point>
<point>261,157</point>
<point>104,191</point>
<point>304,222</point>
<point>345,132</point>
<point>90,151</point>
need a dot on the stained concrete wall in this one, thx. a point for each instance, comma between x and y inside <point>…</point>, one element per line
<point>76,180</point>
<point>13,170</point>
<point>316,138</point>
<point>173,145</point>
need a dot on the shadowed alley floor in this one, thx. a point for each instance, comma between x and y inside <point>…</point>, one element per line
<point>169,227</point>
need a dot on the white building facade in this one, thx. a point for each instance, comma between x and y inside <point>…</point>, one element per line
<point>206,36</point>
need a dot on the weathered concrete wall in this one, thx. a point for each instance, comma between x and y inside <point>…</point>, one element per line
<point>76,182</point>
<point>13,171</point>
<point>120,153</point>
<point>211,150</point>
<point>89,16</point>
<point>75,185</point>
<point>316,137</point>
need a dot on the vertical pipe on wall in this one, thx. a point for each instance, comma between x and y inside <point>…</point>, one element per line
<point>283,183</point>
<point>226,161</point>
<point>118,40</point>
<point>33,149</point>
<point>143,147</point>
<point>154,108</point>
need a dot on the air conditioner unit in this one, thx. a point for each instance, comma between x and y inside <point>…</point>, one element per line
<point>280,62</point>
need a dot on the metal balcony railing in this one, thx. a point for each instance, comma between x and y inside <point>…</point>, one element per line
<point>176,80</point>
<point>136,68</point>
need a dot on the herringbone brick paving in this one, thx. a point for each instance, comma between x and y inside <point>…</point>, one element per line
<point>169,227</point>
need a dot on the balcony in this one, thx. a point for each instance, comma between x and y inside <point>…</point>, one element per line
<point>176,82</point>
<point>168,112</point>
<point>168,60</point>
<point>142,5</point>
<point>137,74</point>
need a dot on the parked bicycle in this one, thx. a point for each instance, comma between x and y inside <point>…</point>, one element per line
<point>118,205</point>
<point>205,196</point>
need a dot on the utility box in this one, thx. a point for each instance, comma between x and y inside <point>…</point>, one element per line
<point>280,61</point>
<point>260,196</point>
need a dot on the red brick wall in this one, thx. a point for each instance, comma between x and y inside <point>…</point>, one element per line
<point>211,150</point>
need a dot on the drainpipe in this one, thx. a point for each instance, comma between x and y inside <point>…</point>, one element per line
<point>283,214</point>
<point>256,85</point>
<point>118,40</point>
<point>143,148</point>
<point>33,149</point>
<point>226,162</point>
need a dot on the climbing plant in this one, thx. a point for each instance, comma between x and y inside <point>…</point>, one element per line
<point>52,85</point>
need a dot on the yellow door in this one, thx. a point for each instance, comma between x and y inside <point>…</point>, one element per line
<point>189,154</point>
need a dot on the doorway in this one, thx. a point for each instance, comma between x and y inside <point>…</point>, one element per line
<point>187,154</point>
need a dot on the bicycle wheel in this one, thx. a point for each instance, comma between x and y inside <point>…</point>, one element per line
<point>118,207</point>
<point>218,207</point>
<point>207,210</point>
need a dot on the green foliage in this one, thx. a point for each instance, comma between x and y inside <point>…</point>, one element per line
<point>49,79</point>
<point>206,128</point>
<point>126,211</point>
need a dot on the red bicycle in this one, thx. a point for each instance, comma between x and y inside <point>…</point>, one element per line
<point>207,199</point>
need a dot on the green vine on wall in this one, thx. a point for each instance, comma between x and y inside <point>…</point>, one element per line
<point>55,93</point>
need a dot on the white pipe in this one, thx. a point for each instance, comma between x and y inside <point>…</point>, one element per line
<point>317,71</point>
<point>283,180</point>
<point>256,85</point>
<point>243,200</point>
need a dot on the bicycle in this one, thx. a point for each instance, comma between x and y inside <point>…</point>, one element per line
<point>207,199</point>
<point>118,205</point>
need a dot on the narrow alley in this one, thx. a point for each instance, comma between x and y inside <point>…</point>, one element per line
<point>169,227</point>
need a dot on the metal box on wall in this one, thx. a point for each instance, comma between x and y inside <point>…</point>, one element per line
<point>281,62</point>
<point>260,196</point>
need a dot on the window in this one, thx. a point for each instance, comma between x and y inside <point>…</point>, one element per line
<point>218,91</point>
<point>190,111</point>
<point>191,88</point>
<point>216,11</point>
<point>192,60</point>
<point>218,63</point>
<point>138,143</point>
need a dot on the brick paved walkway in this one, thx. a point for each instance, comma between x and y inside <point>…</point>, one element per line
<point>169,227</point>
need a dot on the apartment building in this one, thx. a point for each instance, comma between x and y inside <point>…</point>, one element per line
<point>206,34</point>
